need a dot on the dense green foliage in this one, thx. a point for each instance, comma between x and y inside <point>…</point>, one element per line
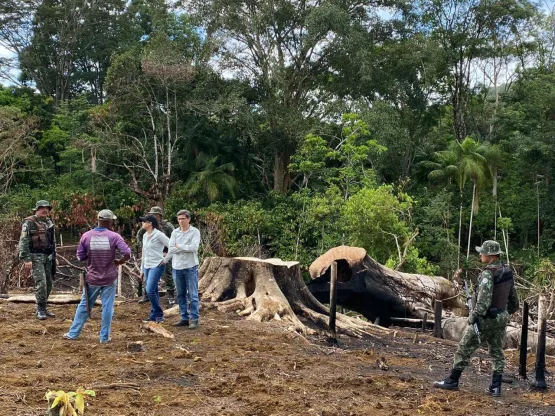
<point>413,129</point>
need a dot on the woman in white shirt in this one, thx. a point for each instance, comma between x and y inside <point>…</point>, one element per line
<point>153,264</point>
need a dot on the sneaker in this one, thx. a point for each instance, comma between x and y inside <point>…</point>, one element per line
<point>66,336</point>
<point>148,320</point>
<point>159,320</point>
<point>144,299</point>
<point>49,314</point>
<point>106,341</point>
<point>193,325</point>
<point>182,322</point>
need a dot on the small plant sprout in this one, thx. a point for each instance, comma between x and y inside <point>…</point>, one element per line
<point>68,404</point>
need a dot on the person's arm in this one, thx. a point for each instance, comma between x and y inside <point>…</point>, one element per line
<point>170,246</point>
<point>143,254</point>
<point>513,304</point>
<point>53,239</point>
<point>82,249</point>
<point>485,293</point>
<point>193,245</point>
<point>24,241</point>
<point>163,238</point>
<point>124,250</point>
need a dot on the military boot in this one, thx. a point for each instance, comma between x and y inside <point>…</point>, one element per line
<point>41,311</point>
<point>170,293</point>
<point>451,382</point>
<point>495,387</point>
<point>47,313</point>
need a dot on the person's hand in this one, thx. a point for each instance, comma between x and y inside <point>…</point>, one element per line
<point>472,318</point>
<point>142,277</point>
<point>28,265</point>
<point>164,254</point>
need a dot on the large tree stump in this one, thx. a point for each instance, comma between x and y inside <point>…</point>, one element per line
<point>366,286</point>
<point>264,290</point>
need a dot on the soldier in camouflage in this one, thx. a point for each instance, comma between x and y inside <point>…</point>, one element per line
<point>37,249</point>
<point>496,301</point>
<point>167,229</point>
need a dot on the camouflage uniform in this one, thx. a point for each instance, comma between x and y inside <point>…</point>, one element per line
<point>496,301</point>
<point>167,229</point>
<point>492,329</point>
<point>37,245</point>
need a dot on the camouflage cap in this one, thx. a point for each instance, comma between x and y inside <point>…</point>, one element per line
<point>489,248</point>
<point>42,203</point>
<point>106,214</point>
<point>156,210</point>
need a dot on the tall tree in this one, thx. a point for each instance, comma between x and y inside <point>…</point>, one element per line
<point>159,96</point>
<point>465,31</point>
<point>71,45</point>
<point>283,48</point>
<point>15,139</point>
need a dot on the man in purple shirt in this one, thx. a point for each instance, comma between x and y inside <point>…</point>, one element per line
<point>98,247</point>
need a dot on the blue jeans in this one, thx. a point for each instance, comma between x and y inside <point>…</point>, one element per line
<point>152,277</point>
<point>107,296</point>
<point>186,283</point>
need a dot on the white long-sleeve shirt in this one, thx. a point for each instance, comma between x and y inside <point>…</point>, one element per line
<point>183,248</point>
<point>153,248</point>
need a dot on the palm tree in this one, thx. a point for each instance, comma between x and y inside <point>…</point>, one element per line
<point>496,160</point>
<point>212,179</point>
<point>462,161</point>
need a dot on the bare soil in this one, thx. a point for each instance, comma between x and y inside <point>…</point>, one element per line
<point>230,366</point>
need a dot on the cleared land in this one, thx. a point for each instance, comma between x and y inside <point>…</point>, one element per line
<point>230,366</point>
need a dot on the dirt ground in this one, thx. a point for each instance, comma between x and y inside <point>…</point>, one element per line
<point>230,366</point>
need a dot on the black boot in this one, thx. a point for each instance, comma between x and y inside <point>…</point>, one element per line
<point>495,387</point>
<point>47,313</point>
<point>451,382</point>
<point>41,311</point>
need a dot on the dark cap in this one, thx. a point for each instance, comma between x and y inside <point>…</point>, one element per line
<point>150,218</point>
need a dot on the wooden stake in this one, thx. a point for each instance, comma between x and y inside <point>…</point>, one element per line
<point>438,309</point>
<point>542,309</point>
<point>539,383</point>
<point>333,301</point>
<point>424,321</point>
<point>119,280</point>
<point>523,341</point>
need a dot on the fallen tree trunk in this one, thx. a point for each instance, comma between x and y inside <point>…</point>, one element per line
<point>453,329</point>
<point>376,291</point>
<point>53,299</point>
<point>264,290</point>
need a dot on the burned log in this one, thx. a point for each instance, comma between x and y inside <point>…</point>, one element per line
<point>375,291</point>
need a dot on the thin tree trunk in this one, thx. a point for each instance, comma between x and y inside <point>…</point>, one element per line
<point>471,217</point>
<point>505,239</point>
<point>460,228</point>
<point>281,172</point>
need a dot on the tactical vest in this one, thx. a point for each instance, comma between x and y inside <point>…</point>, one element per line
<point>42,236</point>
<point>502,282</point>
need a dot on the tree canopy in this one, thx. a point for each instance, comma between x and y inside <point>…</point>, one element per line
<point>289,127</point>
